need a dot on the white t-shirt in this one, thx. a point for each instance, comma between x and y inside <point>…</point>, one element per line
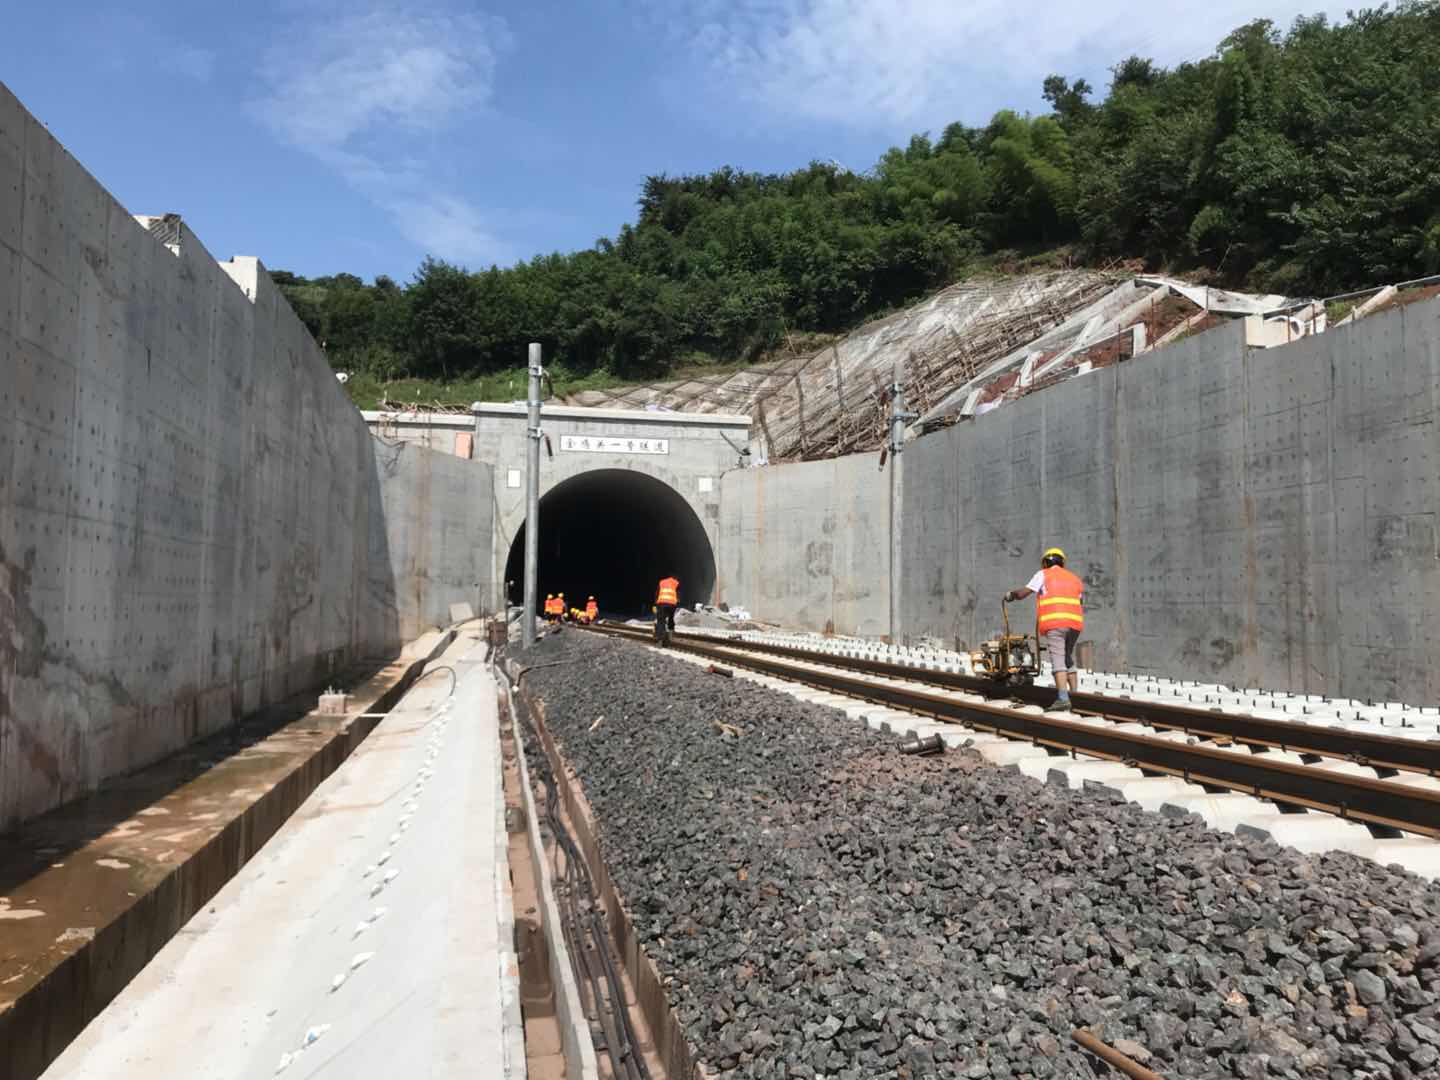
<point>1037,583</point>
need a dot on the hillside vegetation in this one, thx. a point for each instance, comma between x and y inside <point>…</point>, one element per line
<point>1304,161</point>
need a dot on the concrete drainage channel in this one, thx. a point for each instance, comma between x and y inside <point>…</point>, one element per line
<point>609,999</point>
<point>219,819</point>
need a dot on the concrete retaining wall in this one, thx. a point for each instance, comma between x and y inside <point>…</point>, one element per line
<point>1265,517</point>
<point>430,542</point>
<point>188,502</point>
<point>808,544</point>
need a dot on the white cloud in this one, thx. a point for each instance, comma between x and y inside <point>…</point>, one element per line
<point>341,79</point>
<point>362,91</point>
<point>887,63</point>
<point>449,226</point>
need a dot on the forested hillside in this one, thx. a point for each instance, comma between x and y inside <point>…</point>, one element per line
<point>1303,161</point>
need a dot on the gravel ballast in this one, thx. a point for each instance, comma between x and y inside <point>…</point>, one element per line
<point>823,906</point>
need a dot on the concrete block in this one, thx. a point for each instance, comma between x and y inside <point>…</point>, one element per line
<point>1098,722</point>
<point>906,724</point>
<point>1222,812</point>
<point>1148,792</point>
<point>1038,768</point>
<point>1012,753</point>
<point>1311,833</point>
<point>957,736</point>
<point>1349,768</point>
<point>1419,856</point>
<point>1424,783</point>
<point>1287,757</point>
<point>813,697</point>
<point>334,703</point>
<point>1075,774</point>
<point>834,701</point>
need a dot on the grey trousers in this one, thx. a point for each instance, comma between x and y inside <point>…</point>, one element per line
<point>1060,644</point>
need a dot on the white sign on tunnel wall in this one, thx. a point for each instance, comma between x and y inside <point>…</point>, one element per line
<point>613,444</point>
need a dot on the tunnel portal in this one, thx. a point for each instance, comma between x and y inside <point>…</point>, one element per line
<point>613,534</point>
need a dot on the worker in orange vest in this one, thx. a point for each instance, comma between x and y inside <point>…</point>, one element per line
<point>549,608</point>
<point>1060,616</point>
<point>592,610</point>
<point>667,599</point>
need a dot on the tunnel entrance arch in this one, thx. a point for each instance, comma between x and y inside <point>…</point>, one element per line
<point>613,534</point>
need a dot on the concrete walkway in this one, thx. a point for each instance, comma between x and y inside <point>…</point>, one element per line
<point>371,938</point>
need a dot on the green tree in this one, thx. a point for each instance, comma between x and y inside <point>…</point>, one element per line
<point>1299,160</point>
<point>1032,178</point>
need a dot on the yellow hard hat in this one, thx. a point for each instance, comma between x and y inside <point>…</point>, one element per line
<point>592,598</point>
<point>549,596</point>
<point>1053,551</point>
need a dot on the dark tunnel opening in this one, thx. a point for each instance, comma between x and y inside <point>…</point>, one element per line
<point>613,534</point>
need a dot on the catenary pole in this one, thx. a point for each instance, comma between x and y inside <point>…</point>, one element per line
<point>899,417</point>
<point>532,499</point>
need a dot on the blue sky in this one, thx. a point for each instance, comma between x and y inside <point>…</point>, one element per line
<point>325,136</point>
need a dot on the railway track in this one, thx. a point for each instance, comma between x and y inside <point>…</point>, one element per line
<point>1382,752</point>
<point>1328,783</point>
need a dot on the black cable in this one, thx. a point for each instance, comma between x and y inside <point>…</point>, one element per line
<point>625,1057</point>
<point>454,681</point>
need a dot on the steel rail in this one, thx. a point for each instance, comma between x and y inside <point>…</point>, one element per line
<point>1378,802</point>
<point>1363,748</point>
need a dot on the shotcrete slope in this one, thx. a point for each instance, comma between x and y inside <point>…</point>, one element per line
<point>825,907</point>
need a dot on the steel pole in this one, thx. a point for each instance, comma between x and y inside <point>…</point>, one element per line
<point>532,500</point>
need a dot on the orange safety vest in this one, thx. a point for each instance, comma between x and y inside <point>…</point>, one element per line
<point>1059,606</point>
<point>552,606</point>
<point>669,592</point>
<point>592,609</point>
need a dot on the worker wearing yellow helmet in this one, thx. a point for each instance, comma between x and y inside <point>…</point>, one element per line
<point>1060,616</point>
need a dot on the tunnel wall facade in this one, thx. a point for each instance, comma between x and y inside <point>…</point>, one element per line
<point>699,448</point>
<point>808,544</point>
<point>1258,517</point>
<point>191,512</point>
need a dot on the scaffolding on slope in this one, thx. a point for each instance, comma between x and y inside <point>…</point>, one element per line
<point>832,401</point>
